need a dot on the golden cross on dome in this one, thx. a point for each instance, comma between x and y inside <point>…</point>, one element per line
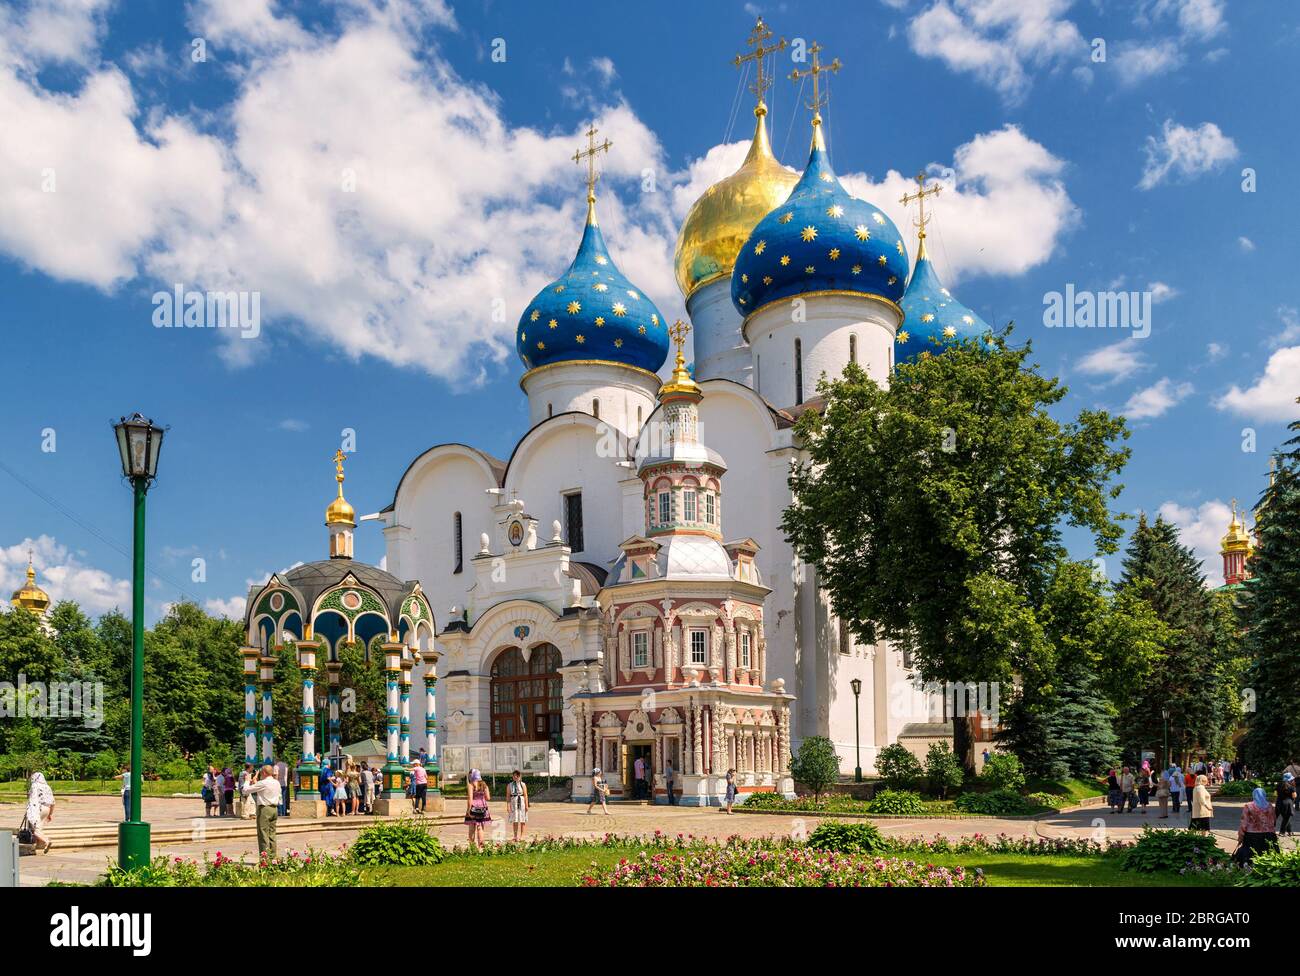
<point>589,154</point>
<point>679,330</point>
<point>762,80</point>
<point>814,72</point>
<point>339,458</point>
<point>919,199</point>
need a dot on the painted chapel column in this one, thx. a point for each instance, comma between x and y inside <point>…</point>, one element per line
<point>268,721</point>
<point>430,658</point>
<point>251,655</point>
<point>307,798</point>
<point>405,727</point>
<point>333,670</point>
<point>394,786</point>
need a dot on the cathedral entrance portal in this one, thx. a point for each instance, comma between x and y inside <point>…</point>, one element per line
<point>633,788</point>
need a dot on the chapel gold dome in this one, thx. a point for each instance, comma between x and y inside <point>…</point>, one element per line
<point>31,597</point>
<point>719,222</point>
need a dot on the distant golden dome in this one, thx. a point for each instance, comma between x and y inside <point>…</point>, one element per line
<point>719,222</point>
<point>31,597</point>
<point>1237,539</point>
<point>339,511</point>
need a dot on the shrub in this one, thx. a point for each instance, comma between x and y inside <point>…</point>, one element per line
<point>995,803</point>
<point>767,801</point>
<point>817,765</point>
<point>942,769</point>
<point>1239,787</point>
<point>1054,800</point>
<point>1172,850</point>
<point>1003,771</point>
<point>899,767</point>
<point>1274,869</point>
<point>401,842</point>
<point>903,802</point>
<point>858,837</point>
<point>314,869</point>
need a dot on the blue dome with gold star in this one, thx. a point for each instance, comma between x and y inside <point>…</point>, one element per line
<point>821,239</point>
<point>592,312</point>
<point>931,316</point>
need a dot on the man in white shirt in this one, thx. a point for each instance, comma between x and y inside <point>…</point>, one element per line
<point>639,768</point>
<point>266,795</point>
<point>282,777</point>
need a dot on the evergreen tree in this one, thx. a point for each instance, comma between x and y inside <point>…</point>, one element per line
<point>1271,609</point>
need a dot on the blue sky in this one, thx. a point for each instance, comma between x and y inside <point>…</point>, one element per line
<point>395,194</point>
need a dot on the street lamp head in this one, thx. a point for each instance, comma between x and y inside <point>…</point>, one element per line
<point>856,685</point>
<point>1164,713</point>
<point>139,442</point>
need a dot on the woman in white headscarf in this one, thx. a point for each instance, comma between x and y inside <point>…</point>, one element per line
<point>40,809</point>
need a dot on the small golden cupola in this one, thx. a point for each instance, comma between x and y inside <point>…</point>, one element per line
<point>31,597</point>
<point>340,517</point>
<point>1236,550</point>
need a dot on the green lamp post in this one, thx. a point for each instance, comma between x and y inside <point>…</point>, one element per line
<point>856,685</point>
<point>139,441</point>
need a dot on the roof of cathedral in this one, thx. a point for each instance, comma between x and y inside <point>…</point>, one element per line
<point>822,239</point>
<point>314,578</point>
<point>592,312</point>
<point>718,223</point>
<point>931,316</point>
<point>591,576</point>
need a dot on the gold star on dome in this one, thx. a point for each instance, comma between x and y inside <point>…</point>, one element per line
<point>541,345</point>
<point>767,279</point>
<point>785,259</point>
<point>945,292</point>
<point>810,270</point>
<point>826,178</point>
<point>809,233</point>
<point>893,279</point>
<point>523,337</point>
<point>744,279</point>
<point>786,217</point>
<point>553,324</point>
<point>601,259</point>
<point>760,247</point>
<point>619,308</point>
<point>968,320</point>
<point>618,343</point>
<point>580,339</point>
<point>835,211</point>
<point>633,295</point>
<point>743,301</point>
<point>535,316</point>
<point>949,332</point>
<point>882,260</point>
<point>902,337</point>
<point>641,329</point>
<point>862,233</point>
<point>573,308</point>
<point>927,317</point>
<point>856,269</point>
<point>558,289</point>
<point>601,286</point>
<point>877,218</point>
<point>600,320</point>
<point>654,319</point>
<point>898,246</point>
<point>835,254</point>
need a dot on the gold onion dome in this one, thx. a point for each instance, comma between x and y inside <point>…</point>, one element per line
<point>339,511</point>
<point>1237,537</point>
<point>720,221</point>
<point>30,596</point>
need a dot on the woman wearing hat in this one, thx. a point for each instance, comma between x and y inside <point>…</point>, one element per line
<point>1286,797</point>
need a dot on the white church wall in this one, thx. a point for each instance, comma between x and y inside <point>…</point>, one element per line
<point>719,348</point>
<point>622,395</point>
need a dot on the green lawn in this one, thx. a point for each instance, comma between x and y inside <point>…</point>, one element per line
<point>14,789</point>
<point>565,868</point>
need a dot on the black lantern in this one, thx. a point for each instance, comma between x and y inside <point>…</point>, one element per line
<point>139,441</point>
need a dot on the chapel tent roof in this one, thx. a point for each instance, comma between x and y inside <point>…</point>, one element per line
<point>313,579</point>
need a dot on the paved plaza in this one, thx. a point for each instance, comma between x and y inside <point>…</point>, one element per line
<point>172,816</point>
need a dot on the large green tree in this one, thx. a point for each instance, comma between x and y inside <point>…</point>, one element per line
<point>932,509</point>
<point>1271,607</point>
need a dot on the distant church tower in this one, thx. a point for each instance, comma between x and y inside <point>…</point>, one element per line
<point>31,597</point>
<point>1236,550</point>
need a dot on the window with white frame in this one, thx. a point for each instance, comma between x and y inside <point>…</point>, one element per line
<point>665,508</point>
<point>640,649</point>
<point>710,508</point>
<point>688,504</point>
<point>699,647</point>
<point>746,649</point>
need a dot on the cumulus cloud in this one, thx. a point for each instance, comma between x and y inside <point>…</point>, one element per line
<point>42,32</point>
<point>1115,362</point>
<point>63,575</point>
<point>1185,153</point>
<point>232,608</point>
<point>998,41</point>
<point>1272,396</point>
<point>1157,399</point>
<point>1136,61</point>
<point>1201,529</point>
<point>1161,292</point>
<point>1196,19</point>
<point>1246,244</point>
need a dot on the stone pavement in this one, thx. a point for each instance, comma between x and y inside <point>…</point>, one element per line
<point>84,865</point>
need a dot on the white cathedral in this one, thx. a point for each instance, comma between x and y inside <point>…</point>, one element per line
<point>621,585</point>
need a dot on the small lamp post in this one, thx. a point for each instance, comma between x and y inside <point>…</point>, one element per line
<point>139,441</point>
<point>856,685</point>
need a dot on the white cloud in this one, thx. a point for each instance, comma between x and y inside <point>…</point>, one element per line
<point>1136,61</point>
<point>1197,19</point>
<point>1004,213</point>
<point>52,32</point>
<point>1185,152</point>
<point>998,41</point>
<point>1290,332</point>
<point>1215,351</point>
<point>1273,395</point>
<point>605,68</point>
<point>1201,529</point>
<point>1156,400</point>
<point>1115,362</point>
<point>1161,292</point>
<point>232,608</point>
<point>1246,244</point>
<point>61,574</point>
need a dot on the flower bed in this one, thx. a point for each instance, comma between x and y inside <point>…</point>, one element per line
<point>758,864</point>
<point>311,869</point>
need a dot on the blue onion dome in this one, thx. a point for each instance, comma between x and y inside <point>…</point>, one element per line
<point>932,318</point>
<point>821,239</point>
<point>592,312</point>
